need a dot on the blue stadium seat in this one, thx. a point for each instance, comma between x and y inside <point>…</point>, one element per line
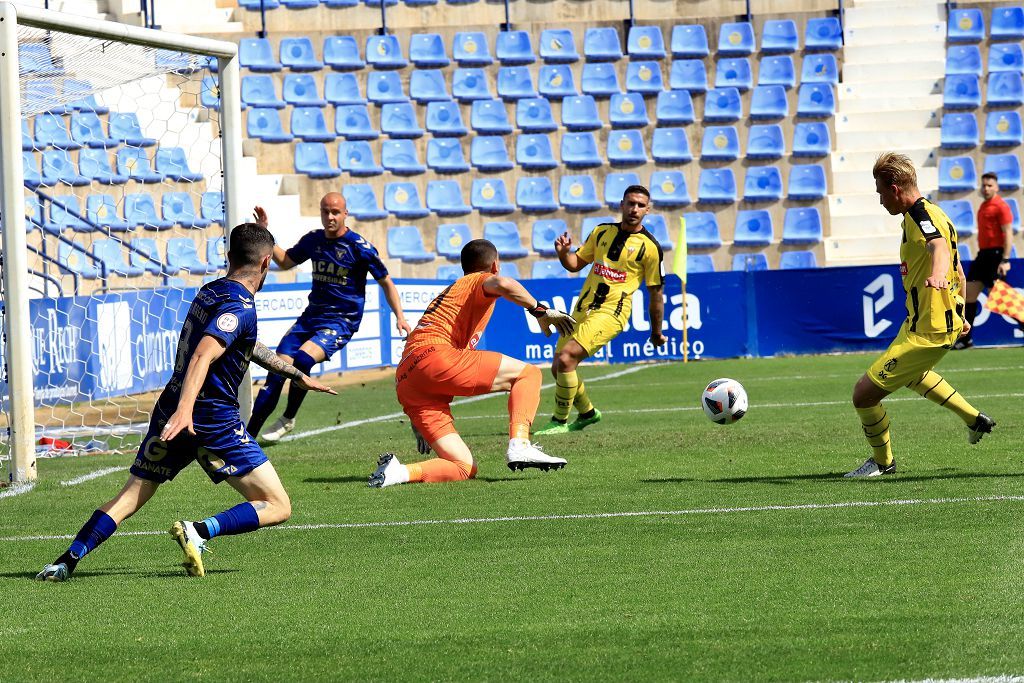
<point>779,35</point>
<point>688,74</point>
<point>1005,57</point>
<point>1007,167</point>
<point>579,150</point>
<point>1003,129</point>
<point>655,224</point>
<point>209,93</point>
<point>297,54</point>
<point>961,213</point>
<point>35,58</point>
<point>26,137</point>
<point>533,115</point>
<point>398,120</point>
<point>762,184</point>
<point>513,48</point>
<point>299,4</point>
<point>172,164</point>
<point>402,200</point>
<point>444,197</point>
<point>355,157</point>
<point>450,239</point>
<point>1005,89</point>
<point>64,214</point>
<point>580,114</point>
<point>963,59</point>
<point>265,124</point>
<point>644,77</point>
<point>489,153</point>
<point>645,42</point>
<point>383,87</point>
<point>426,51</point>
<point>689,41</point>
<point>699,263</point>
<point>385,52</point>
<point>135,164</point>
<point>259,91</point>
<point>76,261</point>
<point>216,253</point>
<point>545,233</point>
<point>101,211</point>
<point>965,26</point>
<point>556,81</point>
<point>668,189</point>
<point>406,243</point>
<point>819,68</point>
<point>670,146</point>
<point>515,83</point>
<point>1007,23</point>
<point>558,46</point>
<point>449,273</point>
<point>777,70</point>
<point>489,196</point>
<point>505,236</point>
<point>957,174</point>
<point>489,117</point>
<point>815,100</point>
<point>811,139</point>
<point>361,202</point>
<point>797,260</point>
<point>736,39</point>
<point>626,148</point>
<point>720,143</point>
<point>734,71</point>
<point>470,84</point>
<point>674,107</point>
<point>146,255</point>
<point>125,128</point>
<point>749,262</point>
<point>545,270</point>
<point>1015,211</point>
<point>723,105</point>
<point>94,164</point>
<point>352,122</point>
<point>59,169</point>
<point>769,102</point>
<point>30,168</point>
<point>178,207</point>
<point>428,85</point>
<point>823,33</point>
<point>702,230</point>
<point>444,155</point>
<point>802,226</point>
<point>211,206</point>
<point>959,131</point>
<point>577,193</point>
<point>590,224</point>
<point>308,123</point>
<point>535,195</point>
<point>964,252</point>
<point>534,153</point>
<point>807,182</point>
<point>469,48</point>
<point>716,185</point>
<point>33,213</point>
<point>52,131</point>
<point>88,101</point>
<point>255,54</point>
<point>300,90</point>
<point>400,157</point>
<point>341,53</point>
<point>961,91</point>
<point>602,45</point>
<point>311,159</point>
<point>754,228</point>
<point>615,185</point>
<point>600,79</point>
<point>140,211</point>
<point>628,110</point>
<point>444,119</point>
<point>110,253</point>
<point>764,141</point>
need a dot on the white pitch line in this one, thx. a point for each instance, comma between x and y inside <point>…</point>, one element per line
<point>96,474</point>
<point>974,679</point>
<point>589,516</point>
<point>16,490</point>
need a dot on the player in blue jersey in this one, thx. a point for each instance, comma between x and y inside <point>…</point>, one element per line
<point>341,260</point>
<point>197,417</point>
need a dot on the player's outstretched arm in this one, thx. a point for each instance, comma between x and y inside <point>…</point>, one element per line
<point>259,214</point>
<point>939,250</point>
<point>656,312</point>
<point>395,302</point>
<point>271,362</point>
<point>512,290</point>
<point>569,259</point>
<point>207,351</point>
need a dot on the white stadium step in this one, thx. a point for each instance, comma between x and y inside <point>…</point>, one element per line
<point>859,141</point>
<point>843,227</point>
<point>850,251</point>
<point>909,52</point>
<point>889,121</point>
<point>857,105</point>
<point>864,161</point>
<point>894,14</point>
<point>880,72</point>
<point>893,35</point>
<point>851,182</point>
<point>918,87</point>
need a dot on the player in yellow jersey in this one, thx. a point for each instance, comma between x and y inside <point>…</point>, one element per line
<point>624,255</point>
<point>934,281</point>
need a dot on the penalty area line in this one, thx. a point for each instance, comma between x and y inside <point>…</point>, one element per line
<point>16,490</point>
<point>96,474</point>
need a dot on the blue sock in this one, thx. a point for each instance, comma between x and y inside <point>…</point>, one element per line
<point>304,363</point>
<point>238,520</point>
<point>265,403</point>
<point>98,529</point>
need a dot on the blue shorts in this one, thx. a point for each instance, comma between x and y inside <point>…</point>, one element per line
<point>330,334</point>
<point>223,451</point>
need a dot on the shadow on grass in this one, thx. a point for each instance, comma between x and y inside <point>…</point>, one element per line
<point>336,480</point>
<point>138,574</point>
<point>945,473</point>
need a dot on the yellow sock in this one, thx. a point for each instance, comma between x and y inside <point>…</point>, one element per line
<point>566,386</point>
<point>582,401</point>
<point>875,422</point>
<point>937,390</point>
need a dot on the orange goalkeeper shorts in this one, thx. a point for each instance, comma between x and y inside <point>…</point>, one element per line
<point>428,379</point>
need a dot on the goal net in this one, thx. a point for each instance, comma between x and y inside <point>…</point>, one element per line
<point>123,200</point>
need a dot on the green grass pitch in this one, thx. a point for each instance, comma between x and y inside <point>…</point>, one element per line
<point>749,558</point>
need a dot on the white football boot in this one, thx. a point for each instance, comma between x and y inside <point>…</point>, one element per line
<point>522,454</point>
<point>192,544</point>
<point>281,426</point>
<point>53,572</point>
<point>870,468</point>
<point>389,472</point>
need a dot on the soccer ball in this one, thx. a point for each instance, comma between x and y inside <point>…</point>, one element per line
<point>724,401</point>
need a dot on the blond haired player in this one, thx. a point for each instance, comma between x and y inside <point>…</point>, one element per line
<point>934,281</point>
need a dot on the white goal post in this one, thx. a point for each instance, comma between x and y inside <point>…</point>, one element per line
<point>16,260</point>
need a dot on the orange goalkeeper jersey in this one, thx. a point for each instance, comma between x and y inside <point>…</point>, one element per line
<point>456,317</point>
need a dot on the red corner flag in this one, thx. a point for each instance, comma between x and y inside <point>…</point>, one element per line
<point>1005,300</point>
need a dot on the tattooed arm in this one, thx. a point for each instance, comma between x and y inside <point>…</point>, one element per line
<point>270,361</point>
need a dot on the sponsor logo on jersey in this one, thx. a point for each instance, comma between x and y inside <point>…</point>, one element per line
<point>609,273</point>
<point>903,268</point>
<point>890,364</point>
<point>927,228</point>
<point>227,322</point>
<point>473,341</point>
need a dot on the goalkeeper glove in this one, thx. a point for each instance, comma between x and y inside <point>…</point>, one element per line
<point>563,322</point>
<point>421,444</point>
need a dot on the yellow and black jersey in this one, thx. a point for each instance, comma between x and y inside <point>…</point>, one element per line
<point>929,311</point>
<point>622,260</point>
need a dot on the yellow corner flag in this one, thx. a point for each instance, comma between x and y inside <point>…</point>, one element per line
<point>679,265</point>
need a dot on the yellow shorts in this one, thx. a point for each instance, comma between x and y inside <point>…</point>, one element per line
<point>908,357</point>
<point>594,329</point>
